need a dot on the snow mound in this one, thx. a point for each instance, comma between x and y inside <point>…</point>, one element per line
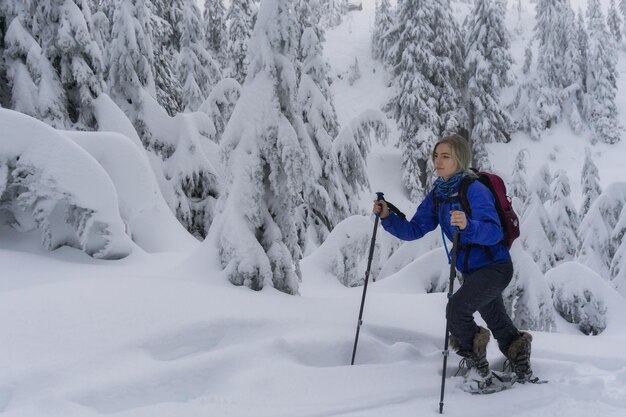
<point>49,182</point>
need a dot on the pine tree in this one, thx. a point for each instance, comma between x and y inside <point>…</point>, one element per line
<point>427,60</point>
<point>572,79</point>
<point>325,204</point>
<point>131,55</point>
<point>308,13</point>
<point>622,9</point>
<point>600,109</point>
<point>618,263</point>
<point>383,23</point>
<point>196,68</point>
<point>239,18</point>
<point>215,34</point>
<point>538,233</point>
<point>265,162</point>
<point>565,218</point>
<point>164,33</point>
<point>614,22</point>
<point>35,86</point>
<point>448,70</point>
<point>77,58</point>
<point>594,242</point>
<point>549,34</point>
<point>487,62</point>
<point>590,180</point>
<point>540,183</point>
<point>517,186</point>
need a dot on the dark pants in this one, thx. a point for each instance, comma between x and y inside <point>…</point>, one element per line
<point>482,291</point>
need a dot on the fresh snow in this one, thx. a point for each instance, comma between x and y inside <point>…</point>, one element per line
<point>163,333</point>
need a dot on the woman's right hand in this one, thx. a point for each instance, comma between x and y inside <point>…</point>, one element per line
<point>380,207</point>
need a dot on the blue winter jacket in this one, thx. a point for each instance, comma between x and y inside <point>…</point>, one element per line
<point>481,243</point>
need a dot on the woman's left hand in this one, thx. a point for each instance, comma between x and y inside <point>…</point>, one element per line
<point>458,219</point>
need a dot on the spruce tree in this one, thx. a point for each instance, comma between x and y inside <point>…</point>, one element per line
<point>239,18</point>
<point>487,61</point>
<point>614,22</point>
<point>65,36</point>
<point>265,162</point>
<point>35,85</point>
<point>383,23</point>
<point>600,109</point>
<point>325,204</point>
<point>131,55</point>
<point>427,62</point>
<point>540,184</point>
<point>622,10</point>
<point>165,37</point>
<point>565,218</point>
<point>590,180</point>
<point>517,187</point>
<point>538,233</point>
<point>196,68</point>
<point>215,34</point>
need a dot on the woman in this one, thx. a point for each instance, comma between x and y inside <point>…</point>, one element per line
<point>482,258</point>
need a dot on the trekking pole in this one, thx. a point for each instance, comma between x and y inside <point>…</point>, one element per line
<point>446,352</point>
<point>379,196</point>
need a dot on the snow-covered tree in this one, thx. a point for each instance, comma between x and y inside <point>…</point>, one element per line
<point>333,12</point>
<point>344,253</point>
<point>265,162</point>
<point>131,57</point>
<point>165,38</point>
<point>215,34</point>
<point>239,19</point>
<point>352,147</point>
<point>308,12</point>
<point>35,85</point>
<point>614,22</point>
<point>538,233</point>
<point>600,108</point>
<point>549,32</point>
<point>427,61</point>
<point>590,180</point>
<point>487,61</point>
<point>39,189</point>
<point>219,106</point>
<point>622,10</point>
<point>517,187</point>
<point>354,72</point>
<point>527,297</point>
<point>618,263</point>
<point>540,183</point>
<point>579,295</point>
<point>196,68</point>
<point>381,37</point>
<point>598,242</point>
<point>325,204</point>
<point>69,45</point>
<point>565,218</point>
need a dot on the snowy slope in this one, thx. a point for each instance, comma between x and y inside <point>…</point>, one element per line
<point>164,334</point>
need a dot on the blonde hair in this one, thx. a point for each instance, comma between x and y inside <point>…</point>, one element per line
<point>461,150</point>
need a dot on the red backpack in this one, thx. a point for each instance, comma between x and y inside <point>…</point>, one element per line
<point>508,218</point>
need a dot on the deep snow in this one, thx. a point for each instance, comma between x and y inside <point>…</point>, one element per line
<point>165,334</point>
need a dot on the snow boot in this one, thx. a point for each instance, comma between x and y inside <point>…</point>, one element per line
<point>518,357</point>
<point>478,375</point>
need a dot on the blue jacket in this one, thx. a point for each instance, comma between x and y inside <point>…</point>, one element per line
<point>481,241</point>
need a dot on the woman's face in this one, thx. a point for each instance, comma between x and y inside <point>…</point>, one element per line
<point>445,165</point>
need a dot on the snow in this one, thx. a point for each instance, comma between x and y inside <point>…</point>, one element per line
<point>163,333</point>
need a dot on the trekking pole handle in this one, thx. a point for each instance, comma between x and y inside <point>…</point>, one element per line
<point>379,196</point>
<point>455,207</point>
